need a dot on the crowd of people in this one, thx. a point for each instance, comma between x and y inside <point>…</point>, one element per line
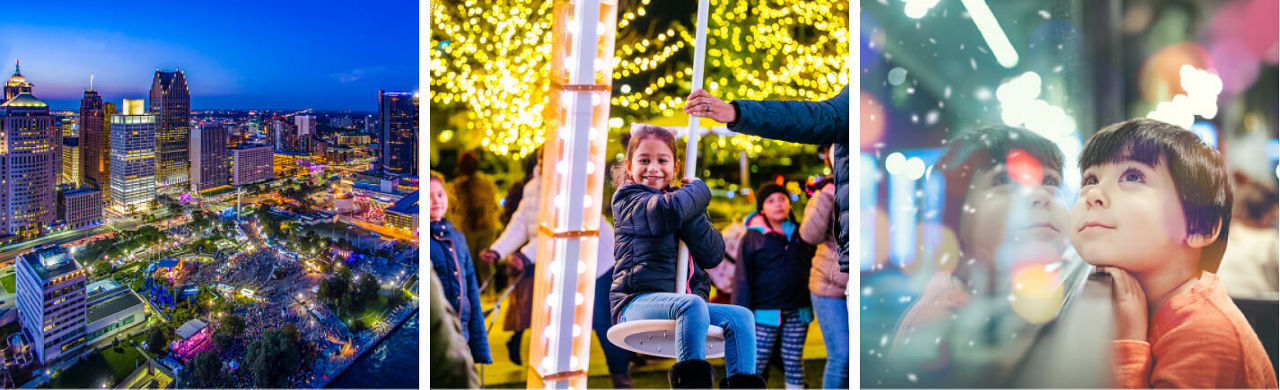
<point>636,263</point>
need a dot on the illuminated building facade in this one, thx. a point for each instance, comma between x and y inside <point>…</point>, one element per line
<point>80,207</point>
<point>250,164</point>
<point>133,159</point>
<point>16,84</point>
<point>403,214</point>
<point>71,163</point>
<point>398,113</point>
<point>94,140</point>
<point>51,302</point>
<point>171,105</point>
<point>209,161</point>
<point>29,162</point>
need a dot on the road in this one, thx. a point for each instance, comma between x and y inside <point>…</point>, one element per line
<point>9,252</point>
<point>383,231</point>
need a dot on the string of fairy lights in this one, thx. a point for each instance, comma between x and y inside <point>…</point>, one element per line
<point>494,60</point>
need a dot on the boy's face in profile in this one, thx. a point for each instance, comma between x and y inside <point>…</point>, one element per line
<point>1128,215</point>
<point>1014,219</point>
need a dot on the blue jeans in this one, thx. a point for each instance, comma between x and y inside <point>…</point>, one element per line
<point>833,320</point>
<point>693,316</point>
<point>618,359</point>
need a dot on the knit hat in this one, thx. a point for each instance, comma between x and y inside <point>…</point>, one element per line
<point>766,190</point>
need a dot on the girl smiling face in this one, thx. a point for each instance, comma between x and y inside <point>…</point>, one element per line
<point>652,163</point>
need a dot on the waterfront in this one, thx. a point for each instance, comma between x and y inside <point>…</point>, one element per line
<point>391,364</point>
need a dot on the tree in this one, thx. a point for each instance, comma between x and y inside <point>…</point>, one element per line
<point>291,331</point>
<point>204,371</point>
<point>272,358</point>
<point>395,299</point>
<point>232,325</point>
<point>175,208</point>
<point>366,288</point>
<point>157,341</point>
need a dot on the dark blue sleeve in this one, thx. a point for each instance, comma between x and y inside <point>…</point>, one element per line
<point>796,121</point>
<point>741,274</point>
<point>644,213</point>
<point>705,243</point>
<point>479,338</point>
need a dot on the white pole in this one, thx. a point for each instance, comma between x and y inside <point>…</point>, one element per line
<point>691,136</point>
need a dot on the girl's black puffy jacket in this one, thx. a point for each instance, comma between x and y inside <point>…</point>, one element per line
<point>648,227</point>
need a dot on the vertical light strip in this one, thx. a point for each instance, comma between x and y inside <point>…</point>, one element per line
<point>570,193</point>
<point>991,32</point>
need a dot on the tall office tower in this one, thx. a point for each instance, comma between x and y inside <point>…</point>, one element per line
<point>251,163</point>
<point>171,106</point>
<point>398,117</point>
<point>133,158</point>
<point>94,141</point>
<point>209,161</point>
<point>306,125</point>
<point>71,162</point>
<point>29,161</point>
<point>51,302</point>
<point>16,84</point>
<point>283,135</point>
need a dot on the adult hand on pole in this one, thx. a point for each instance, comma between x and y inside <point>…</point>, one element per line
<point>701,104</point>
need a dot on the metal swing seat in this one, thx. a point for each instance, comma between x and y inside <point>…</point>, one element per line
<point>657,337</point>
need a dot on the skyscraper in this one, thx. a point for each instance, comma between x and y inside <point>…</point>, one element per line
<point>398,117</point>
<point>306,125</point>
<point>133,156</point>
<point>209,161</point>
<point>251,163</point>
<point>71,162</point>
<point>94,140</point>
<point>29,162</point>
<point>16,84</point>
<point>171,106</point>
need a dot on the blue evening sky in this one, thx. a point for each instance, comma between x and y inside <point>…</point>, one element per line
<point>236,54</point>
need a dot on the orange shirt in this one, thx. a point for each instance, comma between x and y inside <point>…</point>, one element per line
<point>1199,339</point>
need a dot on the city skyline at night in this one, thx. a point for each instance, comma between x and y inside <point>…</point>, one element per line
<point>321,55</point>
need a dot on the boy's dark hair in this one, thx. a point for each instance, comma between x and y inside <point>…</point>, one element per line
<point>973,152</point>
<point>1199,175</point>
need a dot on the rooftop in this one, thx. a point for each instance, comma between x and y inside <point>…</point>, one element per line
<point>110,306</point>
<point>24,100</point>
<point>50,262</point>
<point>407,205</point>
<point>80,191</point>
<point>190,328</point>
<point>248,146</point>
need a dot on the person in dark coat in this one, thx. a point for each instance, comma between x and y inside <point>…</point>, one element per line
<point>774,274</point>
<point>452,262</point>
<point>651,219</point>
<point>815,123</point>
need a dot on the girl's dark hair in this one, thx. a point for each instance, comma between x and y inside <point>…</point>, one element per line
<point>1199,175</point>
<point>973,152</point>
<point>468,162</point>
<point>640,132</point>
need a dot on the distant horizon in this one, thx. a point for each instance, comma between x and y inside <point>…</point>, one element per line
<point>322,54</point>
<point>74,105</point>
